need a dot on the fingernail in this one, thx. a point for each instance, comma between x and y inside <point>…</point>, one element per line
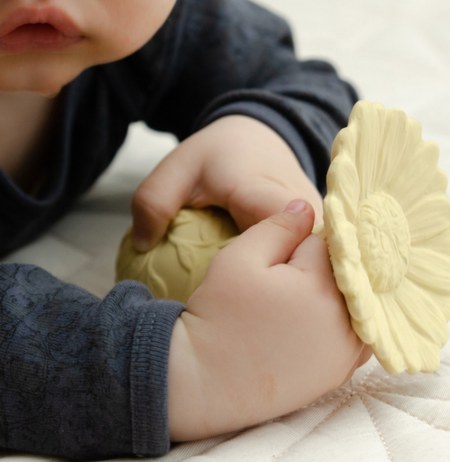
<point>295,206</point>
<point>140,244</point>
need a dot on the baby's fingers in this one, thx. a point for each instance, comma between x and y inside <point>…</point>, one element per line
<point>273,240</point>
<point>159,198</point>
<point>312,255</point>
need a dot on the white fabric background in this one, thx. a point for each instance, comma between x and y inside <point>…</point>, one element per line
<point>396,53</point>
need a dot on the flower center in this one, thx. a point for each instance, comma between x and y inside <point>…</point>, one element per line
<point>384,241</point>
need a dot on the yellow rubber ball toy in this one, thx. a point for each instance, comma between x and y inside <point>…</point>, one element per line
<point>179,262</point>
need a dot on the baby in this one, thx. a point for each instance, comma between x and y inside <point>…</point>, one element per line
<point>267,331</point>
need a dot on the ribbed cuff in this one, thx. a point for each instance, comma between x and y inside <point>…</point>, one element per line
<point>148,377</point>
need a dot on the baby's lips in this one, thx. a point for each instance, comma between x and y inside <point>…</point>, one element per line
<point>49,16</point>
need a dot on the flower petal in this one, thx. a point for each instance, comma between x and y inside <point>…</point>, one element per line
<point>345,142</point>
<point>430,270</point>
<point>386,352</point>
<point>361,300</point>
<point>407,343</point>
<point>376,331</point>
<point>343,180</point>
<point>391,155</point>
<point>444,304</point>
<point>341,233</point>
<point>423,312</point>
<point>370,120</point>
<point>429,217</point>
<point>417,177</point>
<point>431,358</point>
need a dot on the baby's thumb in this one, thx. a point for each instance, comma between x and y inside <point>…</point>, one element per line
<point>273,240</point>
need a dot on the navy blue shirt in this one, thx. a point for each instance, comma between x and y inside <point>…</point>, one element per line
<point>82,377</point>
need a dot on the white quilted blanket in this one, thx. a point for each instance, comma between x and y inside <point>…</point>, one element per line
<point>396,53</point>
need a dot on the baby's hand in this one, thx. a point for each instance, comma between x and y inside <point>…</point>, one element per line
<point>266,333</point>
<point>236,163</point>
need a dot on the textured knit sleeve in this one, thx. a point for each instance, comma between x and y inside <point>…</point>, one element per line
<point>82,377</point>
<point>233,57</point>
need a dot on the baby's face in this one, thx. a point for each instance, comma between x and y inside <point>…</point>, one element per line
<point>44,44</point>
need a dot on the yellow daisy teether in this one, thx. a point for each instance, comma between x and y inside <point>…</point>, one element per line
<point>387,225</point>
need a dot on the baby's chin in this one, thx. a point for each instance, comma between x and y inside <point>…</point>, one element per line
<point>44,92</point>
<point>48,88</point>
<point>45,89</point>
<point>49,93</point>
<point>39,78</point>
